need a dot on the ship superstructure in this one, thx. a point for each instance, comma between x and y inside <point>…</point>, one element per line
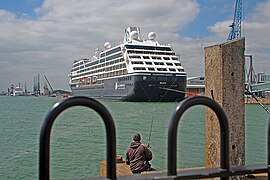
<point>136,70</point>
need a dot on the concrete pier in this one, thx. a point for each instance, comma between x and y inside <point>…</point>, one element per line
<point>121,168</point>
<point>224,74</point>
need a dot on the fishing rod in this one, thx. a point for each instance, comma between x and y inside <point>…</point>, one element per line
<point>253,95</point>
<point>150,132</point>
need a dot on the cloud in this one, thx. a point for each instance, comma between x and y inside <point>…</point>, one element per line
<point>6,15</point>
<point>65,30</point>
<point>261,12</point>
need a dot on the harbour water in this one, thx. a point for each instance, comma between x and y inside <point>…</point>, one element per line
<point>78,136</point>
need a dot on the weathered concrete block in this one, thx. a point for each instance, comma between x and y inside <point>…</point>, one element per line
<point>121,168</point>
<point>224,74</point>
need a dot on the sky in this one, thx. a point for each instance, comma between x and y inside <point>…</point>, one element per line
<point>45,36</point>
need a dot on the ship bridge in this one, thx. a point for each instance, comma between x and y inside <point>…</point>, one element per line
<point>262,85</point>
<point>258,84</point>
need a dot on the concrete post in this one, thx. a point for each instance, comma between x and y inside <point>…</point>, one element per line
<point>224,74</point>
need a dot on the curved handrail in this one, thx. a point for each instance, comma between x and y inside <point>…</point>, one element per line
<point>172,132</point>
<point>268,149</point>
<point>44,149</point>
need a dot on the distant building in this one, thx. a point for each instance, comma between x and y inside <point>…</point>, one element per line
<point>195,86</point>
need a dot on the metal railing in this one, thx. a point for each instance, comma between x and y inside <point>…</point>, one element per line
<point>224,172</point>
<point>44,149</point>
<point>224,131</point>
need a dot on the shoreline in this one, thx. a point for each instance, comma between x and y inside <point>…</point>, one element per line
<point>253,101</point>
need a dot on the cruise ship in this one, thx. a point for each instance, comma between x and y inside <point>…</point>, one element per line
<point>18,91</point>
<point>135,70</point>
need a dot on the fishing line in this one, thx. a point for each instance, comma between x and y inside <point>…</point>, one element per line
<point>152,122</point>
<point>150,133</point>
<point>145,92</point>
<point>253,95</point>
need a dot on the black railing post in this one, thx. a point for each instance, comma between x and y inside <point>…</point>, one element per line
<point>268,149</point>
<point>44,149</point>
<point>172,131</point>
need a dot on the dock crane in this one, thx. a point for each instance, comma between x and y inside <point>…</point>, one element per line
<point>235,32</point>
<point>48,83</point>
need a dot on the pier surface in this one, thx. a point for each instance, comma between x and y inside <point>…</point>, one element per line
<point>253,101</point>
<point>123,170</point>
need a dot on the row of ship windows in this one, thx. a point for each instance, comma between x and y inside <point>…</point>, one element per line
<point>76,63</point>
<point>111,68</point>
<point>153,57</point>
<point>99,66</point>
<point>108,68</point>
<point>108,58</point>
<point>121,66</point>
<point>97,79</point>
<point>144,49</point>
<point>155,63</point>
<point>107,53</point>
<point>150,52</point>
<point>158,69</point>
<point>124,78</point>
<point>99,62</point>
<point>82,82</point>
<point>94,79</point>
<point>156,48</point>
<point>134,51</point>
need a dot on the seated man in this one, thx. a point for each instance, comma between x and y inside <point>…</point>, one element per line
<point>138,156</point>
